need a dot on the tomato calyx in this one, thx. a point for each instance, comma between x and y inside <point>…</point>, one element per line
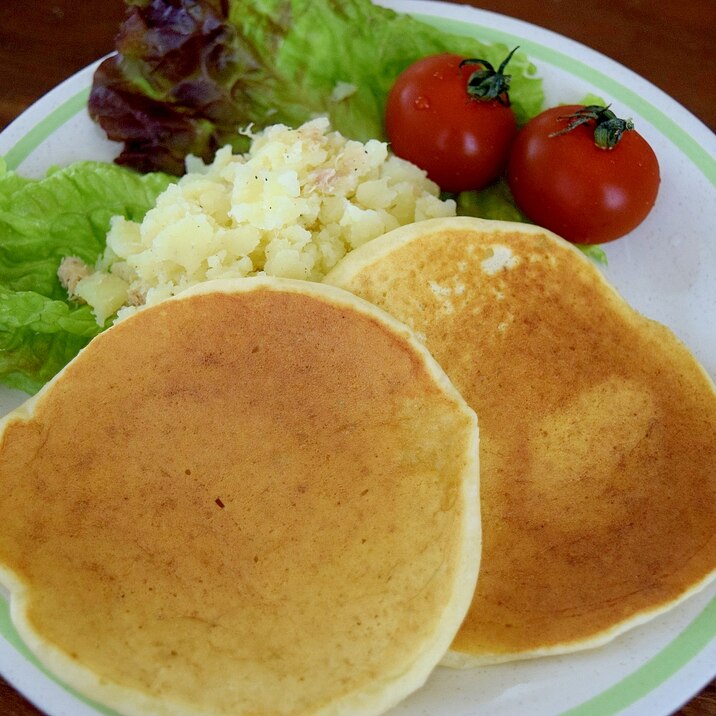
<point>488,83</point>
<point>608,128</point>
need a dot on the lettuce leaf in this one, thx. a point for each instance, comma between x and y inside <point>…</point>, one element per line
<point>38,337</point>
<point>67,213</point>
<point>492,202</point>
<point>190,73</point>
<point>594,252</point>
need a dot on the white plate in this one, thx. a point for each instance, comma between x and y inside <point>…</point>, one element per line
<point>666,269</point>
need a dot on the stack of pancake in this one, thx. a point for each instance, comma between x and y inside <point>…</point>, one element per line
<point>261,496</point>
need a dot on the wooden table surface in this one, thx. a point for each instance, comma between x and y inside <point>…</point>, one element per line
<point>668,43</point>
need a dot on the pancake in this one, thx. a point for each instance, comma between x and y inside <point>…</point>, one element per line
<point>259,497</point>
<point>597,432</point>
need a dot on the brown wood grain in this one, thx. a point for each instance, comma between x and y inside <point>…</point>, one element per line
<point>670,44</point>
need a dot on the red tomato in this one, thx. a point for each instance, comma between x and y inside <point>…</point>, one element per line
<point>461,142</point>
<point>580,191</point>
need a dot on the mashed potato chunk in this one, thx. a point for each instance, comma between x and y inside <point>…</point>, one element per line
<point>293,206</point>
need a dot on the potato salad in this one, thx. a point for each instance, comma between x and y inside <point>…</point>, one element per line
<point>292,206</point>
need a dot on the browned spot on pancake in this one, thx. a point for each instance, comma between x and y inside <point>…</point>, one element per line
<point>598,432</point>
<point>261,530</point>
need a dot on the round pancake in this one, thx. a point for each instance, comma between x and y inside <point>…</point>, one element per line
<point>597,431</point>
<point>259,497</point>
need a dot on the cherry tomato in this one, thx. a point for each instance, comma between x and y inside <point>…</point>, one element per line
<point>562,180</point>
<point>461,141</point>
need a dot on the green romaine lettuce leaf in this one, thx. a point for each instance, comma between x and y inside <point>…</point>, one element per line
<point>67,213</point>
<point>594,252</point>
<point>492,202</point>
<point>188,75</point>
<point>38,336</point>
<point>10,183</point>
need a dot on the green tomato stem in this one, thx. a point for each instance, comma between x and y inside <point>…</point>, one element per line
<point>608,128</point>
<point>488,83</point>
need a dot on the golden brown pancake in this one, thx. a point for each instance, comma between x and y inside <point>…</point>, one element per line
<point>597,431</point>
<point>257,498</point>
